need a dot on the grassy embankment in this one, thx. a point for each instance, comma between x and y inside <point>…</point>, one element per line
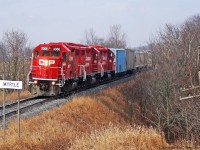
<point>96,122</point>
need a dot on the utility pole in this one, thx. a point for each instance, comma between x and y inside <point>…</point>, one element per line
<point>4,117</point>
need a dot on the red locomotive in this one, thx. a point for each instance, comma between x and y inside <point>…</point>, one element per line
<point>60,67</point>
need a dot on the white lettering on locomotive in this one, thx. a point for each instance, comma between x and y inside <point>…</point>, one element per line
<point>56,49</point>
<point>44,48</point>
<point>51,62</point>
<point>43,62</point>
<point>104,58</point>
<point>88,58</point>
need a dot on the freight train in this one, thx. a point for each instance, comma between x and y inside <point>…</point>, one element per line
<point>60,67</point>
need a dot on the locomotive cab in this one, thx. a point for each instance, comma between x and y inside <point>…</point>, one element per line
<point>48,69</point>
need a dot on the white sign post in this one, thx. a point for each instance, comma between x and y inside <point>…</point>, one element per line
<point>6,84</point>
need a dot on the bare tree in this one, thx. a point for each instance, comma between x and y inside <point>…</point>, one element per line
<point>116,37</point>
<point>14,52</point>
<point>92,38</point>
<point>175,52</point>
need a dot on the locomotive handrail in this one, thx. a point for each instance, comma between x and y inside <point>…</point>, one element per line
<point>63,76</point>
<point>102,70</point>
<point>82,67</point>
<point>28,76</point>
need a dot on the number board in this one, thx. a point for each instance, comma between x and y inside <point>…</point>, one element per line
<point>56,49</point>
<point>44,48</point>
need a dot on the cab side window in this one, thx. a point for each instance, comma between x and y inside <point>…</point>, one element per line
<point>36,54</point>
<point>95,56</point>
<point>77,52</point>
<point>83,52</point>
<point>64,56</point>
<point>101,54</point>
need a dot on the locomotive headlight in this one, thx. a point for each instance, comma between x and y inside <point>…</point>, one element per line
<point>35,82</point>
<point>46,62</point>
<point>53,83</point>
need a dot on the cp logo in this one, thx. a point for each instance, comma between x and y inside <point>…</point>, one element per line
<point>43,62</point>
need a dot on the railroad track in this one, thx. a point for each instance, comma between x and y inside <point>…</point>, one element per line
<point>33,102</point>
<point>12,108</point>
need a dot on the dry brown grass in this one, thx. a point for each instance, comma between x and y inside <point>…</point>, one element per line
<point>83,116</point>
<point>113,100</point>
<point>118,138</point>
<point>14,96</point>
<point>58,127</point>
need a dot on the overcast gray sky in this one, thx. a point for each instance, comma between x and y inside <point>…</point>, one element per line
<point>66,20</point>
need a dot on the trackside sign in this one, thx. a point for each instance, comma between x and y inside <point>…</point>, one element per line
<point>6,84</point>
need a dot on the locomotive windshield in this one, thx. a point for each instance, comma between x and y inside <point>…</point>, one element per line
<point>48,53</point>
<point>55,54</point>
<point>45,53</point>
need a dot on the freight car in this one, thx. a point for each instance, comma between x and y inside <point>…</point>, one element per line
<point>128,61</point>
<point>60,67</point>
<point>142,59</point>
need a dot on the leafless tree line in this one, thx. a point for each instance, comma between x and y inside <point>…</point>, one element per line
<point>14,55</point>
<point>116,37</point>
<point>176,65</point>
